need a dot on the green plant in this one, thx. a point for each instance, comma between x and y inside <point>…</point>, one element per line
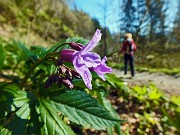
<point>27,107</point>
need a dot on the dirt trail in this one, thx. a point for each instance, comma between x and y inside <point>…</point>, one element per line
<point>169,84</point>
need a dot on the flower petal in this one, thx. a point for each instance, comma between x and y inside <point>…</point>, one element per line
<point>83,71</point>
<point>91,59</point>
<point>96,38</point>
<point>102,69</point>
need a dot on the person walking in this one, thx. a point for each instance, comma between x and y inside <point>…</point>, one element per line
<point>128,48</point>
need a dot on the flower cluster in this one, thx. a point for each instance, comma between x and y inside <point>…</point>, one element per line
<point>83,60</point>
<point>64,76</point>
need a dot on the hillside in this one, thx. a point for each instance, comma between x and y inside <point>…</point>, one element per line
<point>42,22</point>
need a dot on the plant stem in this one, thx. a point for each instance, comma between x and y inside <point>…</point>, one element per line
<point>38,62</point>
<point>60,46</point>
<point>31,70</point>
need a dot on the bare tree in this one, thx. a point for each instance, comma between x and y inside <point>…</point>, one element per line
<point>176,28</point>
<point>105,10</point>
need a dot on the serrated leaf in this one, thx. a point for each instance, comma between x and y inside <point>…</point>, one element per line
<point>34,124</point>
<point>78,40</point>
<point>107,104</point>
<point>17,123</point>
<point>16,96</point>
<point>52,123</point>
<point>11,99</point>
<point>28,115</point>
<point>82,109</point>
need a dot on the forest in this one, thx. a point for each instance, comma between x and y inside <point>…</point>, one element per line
<point>61,70</point>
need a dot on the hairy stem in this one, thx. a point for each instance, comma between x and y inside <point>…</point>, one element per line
<point>38,62</point>
<point>60,46</point>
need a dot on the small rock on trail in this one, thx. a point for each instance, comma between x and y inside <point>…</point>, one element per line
<point>168,84</point>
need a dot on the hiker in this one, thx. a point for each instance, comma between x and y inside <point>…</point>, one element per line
<point>128,48</point>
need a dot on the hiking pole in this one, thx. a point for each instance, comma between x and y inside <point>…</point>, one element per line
<point>109,55</point>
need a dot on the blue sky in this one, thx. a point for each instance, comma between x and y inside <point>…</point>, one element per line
<point>95,9</point>
<point>89,6</point>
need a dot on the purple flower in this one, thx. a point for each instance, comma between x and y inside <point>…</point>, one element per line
<point>84,60</point>
<point>102,69</point>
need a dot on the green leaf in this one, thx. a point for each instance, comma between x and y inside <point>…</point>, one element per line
<point>11,99</point>
<point>117,129</point>
<point>78,40</point>
<point>2,56</point>
<point>176,100</point>
<point>79,83</point>
<point>107,104</point>
<point>17,123</point>
<point>110,131</point>
<point>82,109</point>
<point>23,114</point>
<point>34,125</point>
<point>16,96</point>
<point>114,81</point>
<point>52,123</point>
<point>154,95</point>
<point>96,86</point>
<point>38,51</point>
<point>175,121</point>
<point>140,90</point>
<point>24,51</point>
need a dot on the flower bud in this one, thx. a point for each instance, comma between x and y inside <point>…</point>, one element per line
<point>62,69</point>
<point>76,46</point>
<point>66,82</point>
<point>49,81</point>
<point>59,62</point>
<point>75,74</point>
<point>55,78</point>
<point>67,55</point>
<point>69,74</point>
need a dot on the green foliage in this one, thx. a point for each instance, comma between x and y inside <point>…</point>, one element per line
<point>146,109</point>
<point>27,107</point>
<point>22,114</point>
<point>150,92</point>
<point>2,56</point>
<point>82,109</point>
<point>175,115</point>
<point>36,110</point>
<point>173,71</point>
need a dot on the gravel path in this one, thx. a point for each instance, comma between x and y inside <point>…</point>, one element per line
<point>169,84</point>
